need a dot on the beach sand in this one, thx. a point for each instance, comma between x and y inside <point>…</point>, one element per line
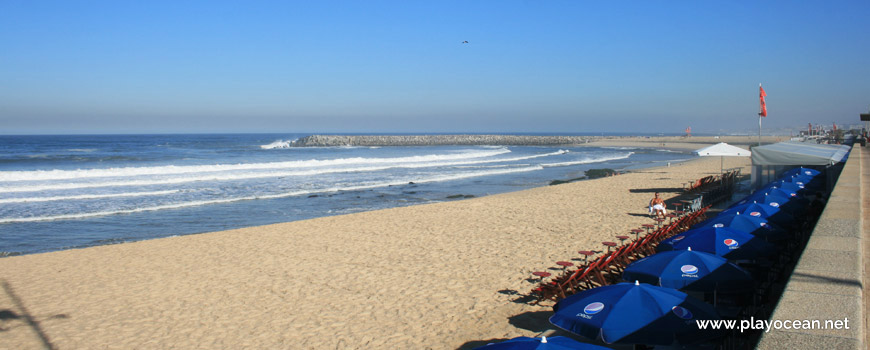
<point>434,276</point>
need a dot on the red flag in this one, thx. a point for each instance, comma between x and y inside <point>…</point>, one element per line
<point>761,94</point>
<point>835,126</point>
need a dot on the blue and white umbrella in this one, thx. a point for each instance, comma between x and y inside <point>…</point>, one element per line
<point>722,241</point>
<point>765,211</point>
<point>634,313</point>
<point>542,343</point>
<point>792,205</point>
<point>756,226</point>
<point>690,270</point>
<point>801,171</point>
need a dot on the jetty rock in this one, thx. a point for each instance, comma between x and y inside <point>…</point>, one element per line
<point>437,140</point>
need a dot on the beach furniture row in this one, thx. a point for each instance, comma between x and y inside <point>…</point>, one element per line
<point>672,269</point>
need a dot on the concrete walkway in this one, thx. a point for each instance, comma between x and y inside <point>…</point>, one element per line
<point>828,282</point>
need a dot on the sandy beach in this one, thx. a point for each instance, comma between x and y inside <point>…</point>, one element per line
<point>434,276</point>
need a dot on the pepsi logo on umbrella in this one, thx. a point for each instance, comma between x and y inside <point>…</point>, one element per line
<point>591,309</point>
<point>755,213</point>
<point>689,271</point>
<point>731,243</point>
<point>682,312</point>
<point>774,204</point>
<point>719,225</point>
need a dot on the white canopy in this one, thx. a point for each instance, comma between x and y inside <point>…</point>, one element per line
<point>770,161</point>
<point>799,153</point>
<point>723,149</point>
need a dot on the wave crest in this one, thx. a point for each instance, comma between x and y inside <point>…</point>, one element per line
<point>279,144</point>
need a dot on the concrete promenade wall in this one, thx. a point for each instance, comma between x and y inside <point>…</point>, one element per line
<point>827,282</point>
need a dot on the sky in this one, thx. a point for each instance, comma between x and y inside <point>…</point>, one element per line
<point>401,66</point>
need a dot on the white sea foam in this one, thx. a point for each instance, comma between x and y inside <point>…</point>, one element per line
<point>272,196</point>
<point>234,176</point>
<point>86,196</point>
<point>624,148</point>
<point>279,144</point>
<point>38,175</point>
<point>588,160</point>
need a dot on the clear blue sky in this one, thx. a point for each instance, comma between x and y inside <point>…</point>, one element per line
<point>401,66</point>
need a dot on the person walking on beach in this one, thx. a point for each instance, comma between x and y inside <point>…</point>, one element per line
<point>657,206</point>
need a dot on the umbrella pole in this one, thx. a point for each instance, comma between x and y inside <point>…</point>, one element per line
<point>721,164</point>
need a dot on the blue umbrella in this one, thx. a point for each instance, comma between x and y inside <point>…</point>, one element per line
<point>791,205</point>
<point>810,183</point>
<point>789,201</point>
<point>542,343</point>
<point>689,270</point>
<point>634,313</point>
<point>785,186</point>
<point>785,193</point>
<point>722,241</point>
<point>765,211</point>
<point>801,171</point>
<point>753,225</point>
<point>759,196</point>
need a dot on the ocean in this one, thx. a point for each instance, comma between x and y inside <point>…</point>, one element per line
<point>73,191</point>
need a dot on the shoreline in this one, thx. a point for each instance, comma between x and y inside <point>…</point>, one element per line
<point>435,275</point>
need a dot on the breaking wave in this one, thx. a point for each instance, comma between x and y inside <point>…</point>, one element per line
<point>36,175</point>
<point>279,144</point>
<point>441,178</point>
<point>589,160</point>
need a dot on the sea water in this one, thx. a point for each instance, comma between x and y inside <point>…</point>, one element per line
<point>61,192</point>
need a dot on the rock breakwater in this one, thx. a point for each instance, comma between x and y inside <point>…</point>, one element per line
<point>436,140</point>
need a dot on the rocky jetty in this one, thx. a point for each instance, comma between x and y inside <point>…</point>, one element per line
<point>436,140</point>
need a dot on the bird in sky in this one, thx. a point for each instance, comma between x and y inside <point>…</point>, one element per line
<point>465,42</point>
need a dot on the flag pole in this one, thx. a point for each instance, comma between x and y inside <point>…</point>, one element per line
<point>759,129</point>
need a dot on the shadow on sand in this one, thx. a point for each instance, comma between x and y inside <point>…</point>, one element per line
<point>9,315</point>
<point>535,321</point>
<point>654,190</point>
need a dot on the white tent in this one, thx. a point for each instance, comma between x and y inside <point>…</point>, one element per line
<point>722,150</point>
<point>769,161</point>
<point>799,153</point>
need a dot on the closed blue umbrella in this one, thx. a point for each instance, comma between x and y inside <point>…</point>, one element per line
<point>634,313</point>
<point>690,270</point>
<point>542,343</point>
<point>722,241</point>
<point>756,226</point>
